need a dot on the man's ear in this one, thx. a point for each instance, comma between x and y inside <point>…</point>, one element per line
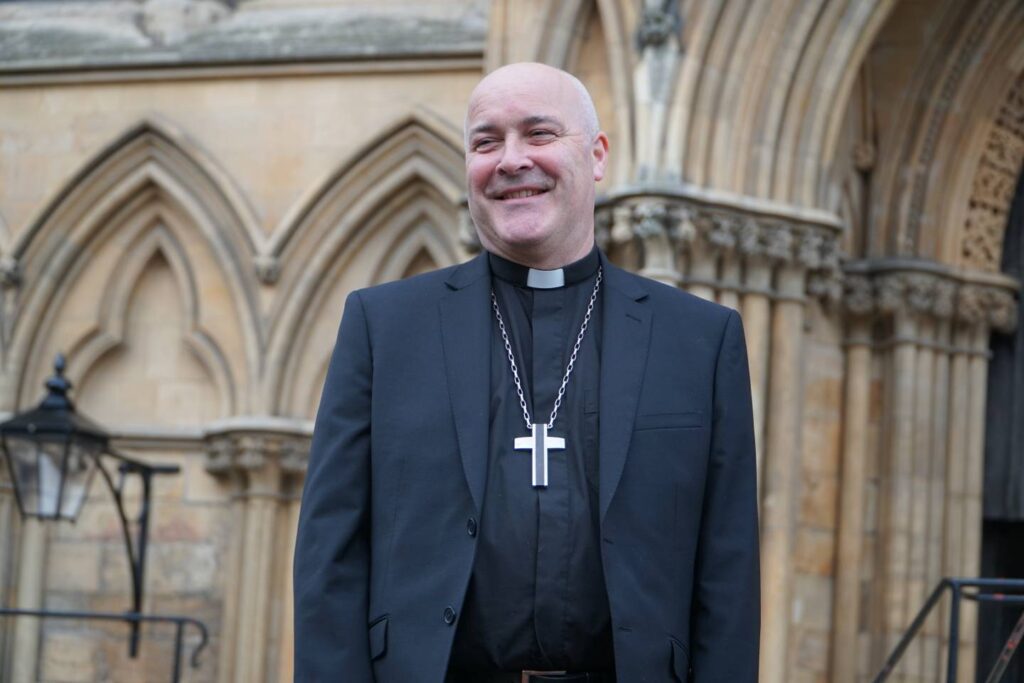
<point>599,151</point>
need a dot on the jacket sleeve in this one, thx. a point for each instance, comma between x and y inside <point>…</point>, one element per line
<point>331,570</point>
<point>726,610</point>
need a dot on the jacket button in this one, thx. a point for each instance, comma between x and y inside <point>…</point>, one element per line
<point>449,615</point>
<point>471,526</point>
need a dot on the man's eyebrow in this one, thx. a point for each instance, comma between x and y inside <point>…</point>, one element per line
<point>482,128</point>
<point>541,119</point>
<point>536,120</point>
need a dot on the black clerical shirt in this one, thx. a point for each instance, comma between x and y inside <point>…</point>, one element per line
<point>537,597</point>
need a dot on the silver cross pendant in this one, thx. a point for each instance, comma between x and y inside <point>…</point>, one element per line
<point>539,443</point>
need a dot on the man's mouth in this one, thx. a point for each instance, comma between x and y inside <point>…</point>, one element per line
<point>520,194</point>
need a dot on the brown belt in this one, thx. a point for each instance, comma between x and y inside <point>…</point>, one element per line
<point>532,677</point>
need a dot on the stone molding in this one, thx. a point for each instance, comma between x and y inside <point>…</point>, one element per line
<point>250,452</point>
<point>952,76</point>
<point>712,231</point>
<point>992,188</point>
<point>897,288</point>
<point>160,33</point>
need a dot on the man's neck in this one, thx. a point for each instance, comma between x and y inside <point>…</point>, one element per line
<point>541,260</point>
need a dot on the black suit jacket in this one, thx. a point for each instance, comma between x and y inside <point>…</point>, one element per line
<point>398,465</point>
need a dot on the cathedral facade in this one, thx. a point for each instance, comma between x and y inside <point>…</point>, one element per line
<point>190,188</point>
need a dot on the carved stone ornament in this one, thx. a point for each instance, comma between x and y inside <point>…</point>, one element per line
<point>749,238</point>
<point>241,452</point>
<point>650,219</point>
<point>778,243</point>
<point>722,235</point>
<point>941,296</point>
<point>994,181</point>
<point>658,23</point>
<point>10,272</point>
<point>684,227</point>
<point>859,294</point>
<point>268,269</point>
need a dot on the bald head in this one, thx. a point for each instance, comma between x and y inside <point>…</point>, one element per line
<point>534,153</point>
<point>530,76</point>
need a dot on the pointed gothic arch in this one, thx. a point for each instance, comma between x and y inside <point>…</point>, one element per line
<point>151,165</point>
<point>150,239</point>
<point>406,184</point>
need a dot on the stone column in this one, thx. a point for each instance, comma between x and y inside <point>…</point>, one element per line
<point>650,226</point>
<point>31,556</point>
<point>260,460</point>
<point>703,270</point>
<point>780,464</point>
<point>934,325</point>
<point>756,312</point>
<point>849,544</point>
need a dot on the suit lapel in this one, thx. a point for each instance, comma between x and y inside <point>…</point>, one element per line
<point>466,336</point>
<point>625,329</point>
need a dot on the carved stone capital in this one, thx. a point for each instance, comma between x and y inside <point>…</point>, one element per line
<point>993,306</point>
<point>650,219</point>
<point>722,232</point>
<point>257,457</point>
<point>927,289</point>
<point>859,293</point>
<point>778,243</point>
<point>749,238</point>
<point>708,231</point>
<point>684,225</point>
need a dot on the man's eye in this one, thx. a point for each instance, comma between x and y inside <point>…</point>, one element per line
<point>541,134</point>
<point>484,144</point>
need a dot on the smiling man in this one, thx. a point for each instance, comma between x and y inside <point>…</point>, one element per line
<point>533,466</point>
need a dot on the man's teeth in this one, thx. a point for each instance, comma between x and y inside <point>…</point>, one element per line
<point>521,194</point>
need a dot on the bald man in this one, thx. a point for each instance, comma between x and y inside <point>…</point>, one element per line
<point>534,466</point>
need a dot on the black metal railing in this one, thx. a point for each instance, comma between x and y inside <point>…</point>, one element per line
<point>996,591</point>
<point>134,619</point>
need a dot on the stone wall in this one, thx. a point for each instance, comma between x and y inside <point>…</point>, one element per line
<point>189,189</point>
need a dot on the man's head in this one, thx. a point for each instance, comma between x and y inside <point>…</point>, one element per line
<point>533,154</point>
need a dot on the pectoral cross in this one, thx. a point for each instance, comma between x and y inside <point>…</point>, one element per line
<point>539,443</point>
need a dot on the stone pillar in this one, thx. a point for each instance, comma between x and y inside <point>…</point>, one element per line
<point>31,556</point>
<point>849,544</point>
<point>933,326</point>
<point>761,264</point>
<point>703,270</point>
<point>780,469</point>
<point>261,462</point>
<point>650,226</point>
<point>756,313</point>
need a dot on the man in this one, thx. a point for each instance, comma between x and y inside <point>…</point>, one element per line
<point>535,461</point>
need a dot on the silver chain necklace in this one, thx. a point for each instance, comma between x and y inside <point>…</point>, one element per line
<point>539,443</point>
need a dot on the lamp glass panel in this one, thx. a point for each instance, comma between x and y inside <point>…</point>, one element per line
<point>23,454</point>
<point>78,474</point>
<point>51,453</point>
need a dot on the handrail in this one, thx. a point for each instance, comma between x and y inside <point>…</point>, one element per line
<point>133,618</point>
<point>956,586</point>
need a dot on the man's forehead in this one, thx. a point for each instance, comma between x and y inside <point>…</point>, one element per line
<point>522,105</point>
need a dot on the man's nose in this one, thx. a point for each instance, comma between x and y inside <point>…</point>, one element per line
<point>515,157</point>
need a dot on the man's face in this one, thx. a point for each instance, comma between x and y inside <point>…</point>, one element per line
<point>531,165</point>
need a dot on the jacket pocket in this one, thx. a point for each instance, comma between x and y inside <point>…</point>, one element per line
<point>680,661</point>
<point>378,637</point>
<point>669,421</point>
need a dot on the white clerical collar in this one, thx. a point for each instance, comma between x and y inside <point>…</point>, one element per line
<point>545,279</point>
<point>535,278</point>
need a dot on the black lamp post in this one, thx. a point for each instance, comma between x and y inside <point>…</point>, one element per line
<point>53,454</point>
